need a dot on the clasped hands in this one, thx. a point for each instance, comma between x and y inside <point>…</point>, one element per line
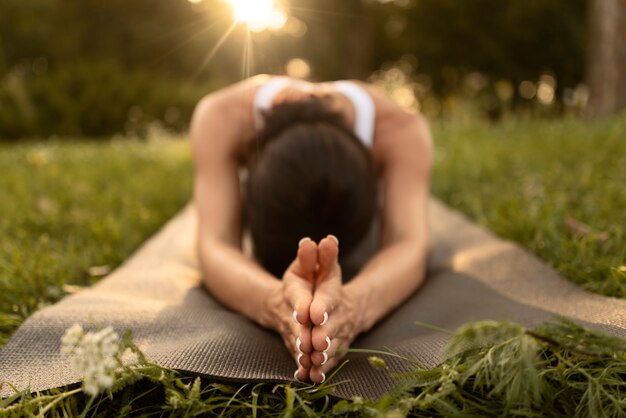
<point>312,312</point>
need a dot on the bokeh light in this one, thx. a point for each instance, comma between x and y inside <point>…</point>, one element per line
<point>546,88</point>
<point>295,27</point>
<point>398,84</point>
<point>545,93</point>
<point>298,68</point>
<point>527,89</point>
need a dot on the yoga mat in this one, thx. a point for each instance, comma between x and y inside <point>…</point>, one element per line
<point>472,275</point>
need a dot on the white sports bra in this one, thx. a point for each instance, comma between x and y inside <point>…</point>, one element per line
<point>365,110</point>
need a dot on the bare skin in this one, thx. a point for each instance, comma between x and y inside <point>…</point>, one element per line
<point>312,285</point>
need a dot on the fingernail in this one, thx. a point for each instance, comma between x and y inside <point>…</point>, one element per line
<point>303,240</point>
<point>298,360</point>
<point>298,343</point>
<point>325,318</point>
<point>295,316</point>
<point>323,377</point>
<point>295,375</point>
<point>328,346</point>
<point>335,238</point>
<point>325,358</point>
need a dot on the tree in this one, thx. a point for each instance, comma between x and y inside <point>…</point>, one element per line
<point>606,59</point>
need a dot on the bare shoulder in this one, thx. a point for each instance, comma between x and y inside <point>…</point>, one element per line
<point>231,100</point>
<point>399,132</point>
<point>404,144</point>
<point>224,119</point>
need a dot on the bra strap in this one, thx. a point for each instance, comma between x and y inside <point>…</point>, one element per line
<point>264,97</point>
<point>365,110</point>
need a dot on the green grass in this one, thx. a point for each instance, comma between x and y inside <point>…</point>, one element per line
<point>523,180</point>
<point>67,207</point>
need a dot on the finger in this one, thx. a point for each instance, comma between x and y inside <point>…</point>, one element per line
<point>320,332</point>
<point>299,280</point>
<point>322,343</point>
<point>318,373</point>
<point>298,295</point>
<point>328,251</point>
<point>302,341</point>
<point>295,347</point>
<point>325,299</point>
<point>303,360</point>
<point>317,376</point>
<point>306,259</point>
<point>320,335</point>
<point>301,374</point>
<point>294,334</point>
<point>320,358</point>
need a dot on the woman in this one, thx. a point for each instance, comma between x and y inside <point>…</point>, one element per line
<point>315,154</point>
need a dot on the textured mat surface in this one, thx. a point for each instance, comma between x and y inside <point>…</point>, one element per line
<point>157,294</point>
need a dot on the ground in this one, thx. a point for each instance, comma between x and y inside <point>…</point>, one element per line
<point>74,210</point>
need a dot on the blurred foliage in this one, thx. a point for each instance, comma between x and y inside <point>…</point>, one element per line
<point>95,98</point>
<point>94,67</point>
<point>509,40</point>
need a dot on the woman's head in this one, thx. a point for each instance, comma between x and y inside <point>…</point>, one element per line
<point>313,177</point>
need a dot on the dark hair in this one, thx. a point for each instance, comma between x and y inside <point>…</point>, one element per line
<point>312,177</point>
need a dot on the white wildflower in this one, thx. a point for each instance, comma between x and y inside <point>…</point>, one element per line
<point>71,338</point>
<point>94,356</point>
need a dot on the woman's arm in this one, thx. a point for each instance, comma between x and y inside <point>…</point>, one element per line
<point>397,270</point>
<point>218,128</point>
<point>220,125</point>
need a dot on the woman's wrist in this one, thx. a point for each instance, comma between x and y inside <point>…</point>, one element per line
<point>268,298</point>
<point>361,298</point>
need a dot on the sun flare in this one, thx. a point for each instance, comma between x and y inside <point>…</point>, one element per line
<point>258,15</point>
